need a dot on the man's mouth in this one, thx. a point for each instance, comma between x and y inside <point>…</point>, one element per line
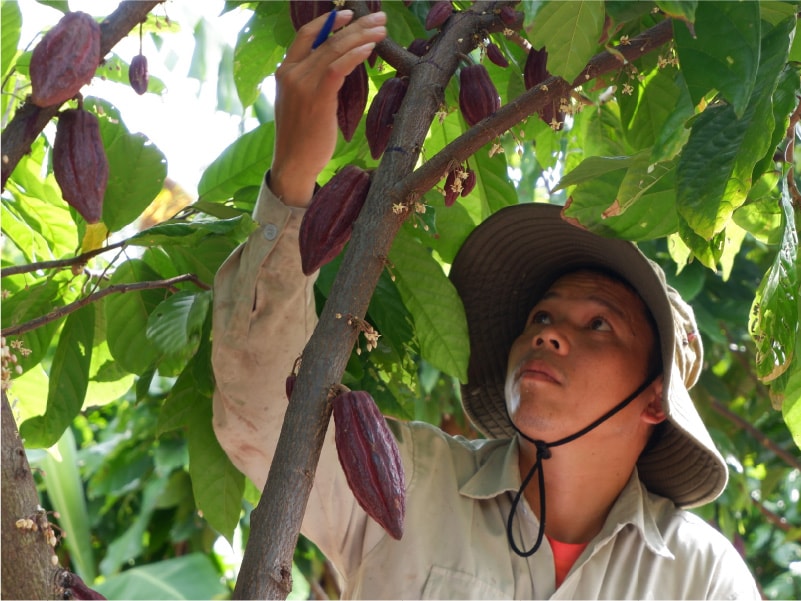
<point>536,369</point>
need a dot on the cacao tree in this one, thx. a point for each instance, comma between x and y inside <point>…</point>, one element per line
<point>669,123</point>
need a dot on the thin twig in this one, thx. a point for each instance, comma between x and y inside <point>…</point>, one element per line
<point>761,438</point>
<point>74,306</point>
<point>60,263</point>
<point>774,518</point>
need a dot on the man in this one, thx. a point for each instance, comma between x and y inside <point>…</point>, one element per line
<point>581,357</point>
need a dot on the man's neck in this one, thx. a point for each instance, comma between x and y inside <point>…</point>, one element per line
<point>581,485</point>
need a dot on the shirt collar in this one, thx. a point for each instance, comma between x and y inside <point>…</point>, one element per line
<point>499,473</point>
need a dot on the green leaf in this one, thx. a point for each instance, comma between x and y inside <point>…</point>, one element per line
<point>658,99</point>
<point>257,53</point>
<point>190,233</point>
<point>175,324</point>
<point>430,297</point>
<point>127,315</point>
<point>197,67</point>
<point>774,316</point>
<point>725,52</point>
<point>227,97</point>
<point>717,164</point>
<point>791,407</point>
<point>192,576</point>
<point>242,164</point>
<point>69,377</point>
<point>678,9</point>
<point>11,18</point>
<point>136,171</point>
<point>217,484</point>
<point>570,32</point>
<point>182,400</point>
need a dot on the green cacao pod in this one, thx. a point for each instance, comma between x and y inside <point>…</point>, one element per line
<point>80,165</point>
<point>65,59</point>
<point>370,458</point>
<point>328,222</point>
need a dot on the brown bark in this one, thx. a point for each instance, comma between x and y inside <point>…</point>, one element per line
<point>28,571</point>
<point>29,120</point>
<point>275,522</point>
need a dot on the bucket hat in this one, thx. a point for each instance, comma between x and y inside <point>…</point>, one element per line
<point>507,263</point>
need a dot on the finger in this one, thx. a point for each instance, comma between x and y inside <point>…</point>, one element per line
<point>302,45</point>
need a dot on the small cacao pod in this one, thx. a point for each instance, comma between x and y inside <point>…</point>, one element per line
<point>469,182</point>
<point>451,188</point>
<point>137,73</point>
<point>369,455</point>
<point>509,15</point>
<point>419,46</point>
<point>535,71</point>
<point>303,11</point>
<point>351,101</point>
<point>381,114</point>
<point>438,14</point>
<point>328,222</point>
<point>65,59</point>
<point>496,56</point>
<point>80,165</point>
<point>478,97</point>
<point>373,5</point>
<point>290,385</point>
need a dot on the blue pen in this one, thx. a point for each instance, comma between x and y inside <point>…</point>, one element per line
<point>326,30</point>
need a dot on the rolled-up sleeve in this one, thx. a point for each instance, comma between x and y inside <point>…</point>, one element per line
<point>263,315</point>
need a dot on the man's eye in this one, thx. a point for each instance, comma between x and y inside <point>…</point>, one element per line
<point>599,323</point>
<point>541,317</point>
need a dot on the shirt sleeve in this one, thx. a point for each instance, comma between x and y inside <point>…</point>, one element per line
<point>264,313</point>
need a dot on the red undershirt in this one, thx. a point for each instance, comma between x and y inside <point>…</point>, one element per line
<point>564,556</point>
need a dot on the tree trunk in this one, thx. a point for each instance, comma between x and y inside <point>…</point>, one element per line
<point>27,558</point>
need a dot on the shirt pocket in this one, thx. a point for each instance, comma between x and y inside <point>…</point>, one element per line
<point>445,583</point>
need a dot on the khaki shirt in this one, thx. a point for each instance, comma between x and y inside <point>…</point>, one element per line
<point>459,491</point>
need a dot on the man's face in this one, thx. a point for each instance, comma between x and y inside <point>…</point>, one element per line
<point>585,347</point>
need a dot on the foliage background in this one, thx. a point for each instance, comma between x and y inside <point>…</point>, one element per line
<point>114,400</point>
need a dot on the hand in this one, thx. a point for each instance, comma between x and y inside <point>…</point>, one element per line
<point>307,83</point>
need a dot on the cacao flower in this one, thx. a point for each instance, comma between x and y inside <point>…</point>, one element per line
<point>478,97</point>
<point>328,222</point>
<point>137,73</point>
<point>65,59</point>
<point>79,162</point>
<point>439,12</point>
<point>303,11</point>
<point>496,56</point>
<point>381,114</point>
<point>369,455</point>
<point>351,100</point>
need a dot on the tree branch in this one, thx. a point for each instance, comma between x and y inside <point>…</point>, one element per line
<point>275,522</point>
<point>29,121</point>
<point>95,296</point>
<point>761,438</point>
<point>59,263</point>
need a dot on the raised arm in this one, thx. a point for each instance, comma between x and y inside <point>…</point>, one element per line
<point>263,304</point>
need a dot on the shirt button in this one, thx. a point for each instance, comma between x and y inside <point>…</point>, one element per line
<point>270,231</point>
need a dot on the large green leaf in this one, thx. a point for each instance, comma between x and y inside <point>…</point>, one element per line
<point>217,485</point>
<point>192,576</point>
<point>774,314</point>
<point>569,31</point>
<point>127,315</point>
<point>717,164</point>
<point>12,24</point>
<point>432,300</point>
<point>69,377</point>
<point>257,52</point>
<point>136,169</point>
<point>678,9</point>
<point>242,164</point>
<point>191,233</point>
<point>724,53</point>
<point>174,326</point>
<point>659,98</point>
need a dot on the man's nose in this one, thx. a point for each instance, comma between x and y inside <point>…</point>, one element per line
<point>552,339</point>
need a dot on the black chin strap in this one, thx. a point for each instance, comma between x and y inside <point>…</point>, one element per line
<point>543,453</point>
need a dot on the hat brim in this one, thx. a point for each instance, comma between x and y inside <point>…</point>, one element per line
<point>504,266</point>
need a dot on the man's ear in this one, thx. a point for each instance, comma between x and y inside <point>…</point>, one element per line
<point>653,413</point>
